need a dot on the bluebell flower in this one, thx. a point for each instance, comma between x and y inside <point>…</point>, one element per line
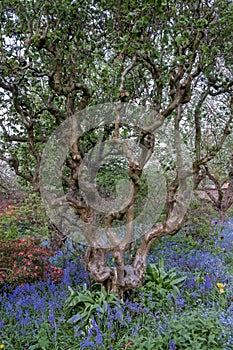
<point>51,317</point>
<point>180,302</point>
<point>208,283</point>
<point>86,344</point>
<point>99,338</point>
<point>113,336</point>
<point>172,345</point>
<point>136,330</point>
<point>109,324</point>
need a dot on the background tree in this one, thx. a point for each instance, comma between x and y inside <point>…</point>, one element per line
<point>57,58</point>
<point>8,182</point>
<point>217,188</point>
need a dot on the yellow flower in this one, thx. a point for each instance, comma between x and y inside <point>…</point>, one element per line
<point>221,287</point>
<point>1,346</point>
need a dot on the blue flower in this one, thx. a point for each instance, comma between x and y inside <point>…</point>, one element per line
<point>180,302</point>
<point>172,345</point>
<point>86,344</point>
<point>99,338</point>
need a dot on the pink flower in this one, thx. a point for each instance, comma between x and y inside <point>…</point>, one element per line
<point>21,253</point>
<point>22,241</point>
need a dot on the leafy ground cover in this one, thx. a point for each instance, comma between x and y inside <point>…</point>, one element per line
<point>185,303</point>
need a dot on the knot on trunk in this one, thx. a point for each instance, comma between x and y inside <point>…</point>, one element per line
<point>130,279</point>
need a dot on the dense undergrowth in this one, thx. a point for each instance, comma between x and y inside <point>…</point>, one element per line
<point>185,303</point>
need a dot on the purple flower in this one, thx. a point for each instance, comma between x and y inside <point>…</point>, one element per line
<point>51,317</point>
<point>179,302</point>
<point>86,344</point>
<point>208,283</point>
<point>172,345</point>
<point>99,338</point>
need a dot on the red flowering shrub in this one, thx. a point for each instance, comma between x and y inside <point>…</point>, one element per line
<point>26,261</point>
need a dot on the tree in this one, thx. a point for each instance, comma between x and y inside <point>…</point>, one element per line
<point>8,183</point>
<point>220,194</point>
<point>171,57</point>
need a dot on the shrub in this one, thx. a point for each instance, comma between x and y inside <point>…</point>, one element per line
<point>8,216</point>
<point>27,217</point>
<point>26,261</point>
<point>199,224</point>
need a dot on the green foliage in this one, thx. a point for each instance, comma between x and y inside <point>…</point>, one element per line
<point>110,174</point>
<point>192,330</point>
<point>199,225</point>
<point>27,218</point>
<point>58,57</point>
<point>42,340</point>
<point>26,261</point>
<point>159,282</point>
<point>48,47</point>
<point>83,306</point>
